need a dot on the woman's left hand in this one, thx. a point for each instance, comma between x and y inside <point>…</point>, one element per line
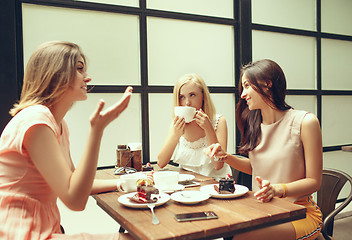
<point>203,120</point>
<point>100,119</point>
<point>266,192</point>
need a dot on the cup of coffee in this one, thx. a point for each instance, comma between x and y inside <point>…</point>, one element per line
<point>166,180</point>
<point>127,183</point>
<point>186,112</point>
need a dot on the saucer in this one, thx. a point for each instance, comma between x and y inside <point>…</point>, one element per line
<point>190,197</point>
<point>179,187</point>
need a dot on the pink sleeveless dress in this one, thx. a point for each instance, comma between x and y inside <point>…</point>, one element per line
<point>279,158</point>
<point>28,207</point>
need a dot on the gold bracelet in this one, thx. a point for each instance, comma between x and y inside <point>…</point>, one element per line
<point>284,194</point>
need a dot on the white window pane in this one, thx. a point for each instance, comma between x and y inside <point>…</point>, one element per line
<point>125,129</point>
<point>110,41</point>
<point>178,47</point>
<point>306,103</point>
<point>336,58</point>
<point>299,14</point>
<point>295,54</point>
<point>336,120</point>
<point>336,16</point>
<point>160,117</point>
<point>222,8</point>
<point>225,105</point>
<point>129,3</point>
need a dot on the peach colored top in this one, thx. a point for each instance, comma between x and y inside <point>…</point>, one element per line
<point>28,207</point>
<point>279,157</point>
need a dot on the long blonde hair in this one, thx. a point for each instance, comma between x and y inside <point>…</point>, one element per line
<point>208,105</point>
<point>49,73</point>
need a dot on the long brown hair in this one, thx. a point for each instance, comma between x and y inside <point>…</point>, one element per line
<point>49,73</point>
<point>259,74</point>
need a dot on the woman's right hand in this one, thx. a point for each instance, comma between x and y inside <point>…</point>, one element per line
<point>100,119</point>
<point>215,151</point>
<point>179,126</point>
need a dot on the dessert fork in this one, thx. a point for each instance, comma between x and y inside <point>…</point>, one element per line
<point>155,220</point>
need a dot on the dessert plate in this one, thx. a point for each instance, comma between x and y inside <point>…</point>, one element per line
<point>179,187</point>
<point>185,177</point>
<point>124,200</point>
<point>239,191</point>
<point>189,197</point>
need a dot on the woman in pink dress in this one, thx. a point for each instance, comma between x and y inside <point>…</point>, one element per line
<point>35,162</point>
<point>284,148</point>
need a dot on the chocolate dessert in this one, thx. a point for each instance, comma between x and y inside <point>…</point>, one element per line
<point>226,185</point>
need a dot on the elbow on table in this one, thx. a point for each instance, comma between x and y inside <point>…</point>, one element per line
<point>161,162</point>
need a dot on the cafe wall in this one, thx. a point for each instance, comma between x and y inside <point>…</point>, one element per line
<point>150,44</point>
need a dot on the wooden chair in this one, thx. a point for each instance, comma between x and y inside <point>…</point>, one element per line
<point>332,182</point>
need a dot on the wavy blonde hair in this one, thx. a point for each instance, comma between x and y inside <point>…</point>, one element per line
<point>49,73</point>
<point>208,105</point>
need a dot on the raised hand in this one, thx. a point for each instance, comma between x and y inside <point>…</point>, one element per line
<point>179,126</point>
<point>215,151</point>
<point>203,120</point>
<point>100,119</point>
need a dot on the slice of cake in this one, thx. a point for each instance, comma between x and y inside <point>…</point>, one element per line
<point>147,167</point>
<point>226,185</point>
<point>146,192</point>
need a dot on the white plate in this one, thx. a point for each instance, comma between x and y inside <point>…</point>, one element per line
<point>239,191</point>
<point>185,177</point>
<point>189,197</point>
<point>124,200</point>
<point>179,187</point>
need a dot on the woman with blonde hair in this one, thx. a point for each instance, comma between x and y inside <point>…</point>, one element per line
<point>35,157</point>
<point>185,142</point>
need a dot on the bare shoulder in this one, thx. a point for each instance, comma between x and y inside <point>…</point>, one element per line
<point>310,120</point>
<point>310,127</point>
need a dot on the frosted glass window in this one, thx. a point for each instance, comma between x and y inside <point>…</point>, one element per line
<point>336,16</point>
<point>160,118</point>
<point>336,58</point>
<point>302,102</point>
<point>295,54</point>
<point>109,40</point>
<point>225,105</point>
<point>336,120</point>
<point>299,14</point>
<point>177,47</point>
<point>125,129</point>
<point>223,8</point>
<point>130,3</point>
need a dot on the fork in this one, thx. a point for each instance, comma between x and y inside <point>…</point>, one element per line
<point>155,220</point>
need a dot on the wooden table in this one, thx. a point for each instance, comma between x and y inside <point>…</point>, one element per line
<point>235,215</point>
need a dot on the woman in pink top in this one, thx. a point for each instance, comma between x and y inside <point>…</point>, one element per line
<point>284,148</point>
<point>36,167</point>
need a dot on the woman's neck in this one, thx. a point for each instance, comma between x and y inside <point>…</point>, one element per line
<point>59,110</point>
<point>271,115</point>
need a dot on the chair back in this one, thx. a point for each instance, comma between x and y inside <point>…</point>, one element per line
<point>332,182</point>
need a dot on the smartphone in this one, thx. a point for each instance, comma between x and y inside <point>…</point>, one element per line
<point>189,183</point>
<point>195,216</point>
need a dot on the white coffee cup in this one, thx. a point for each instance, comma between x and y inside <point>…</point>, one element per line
<point>166,180</point>
<point>127,183</point>
<point>186,112</point>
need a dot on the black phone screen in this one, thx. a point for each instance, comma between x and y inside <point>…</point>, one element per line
<point>195,216</point>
